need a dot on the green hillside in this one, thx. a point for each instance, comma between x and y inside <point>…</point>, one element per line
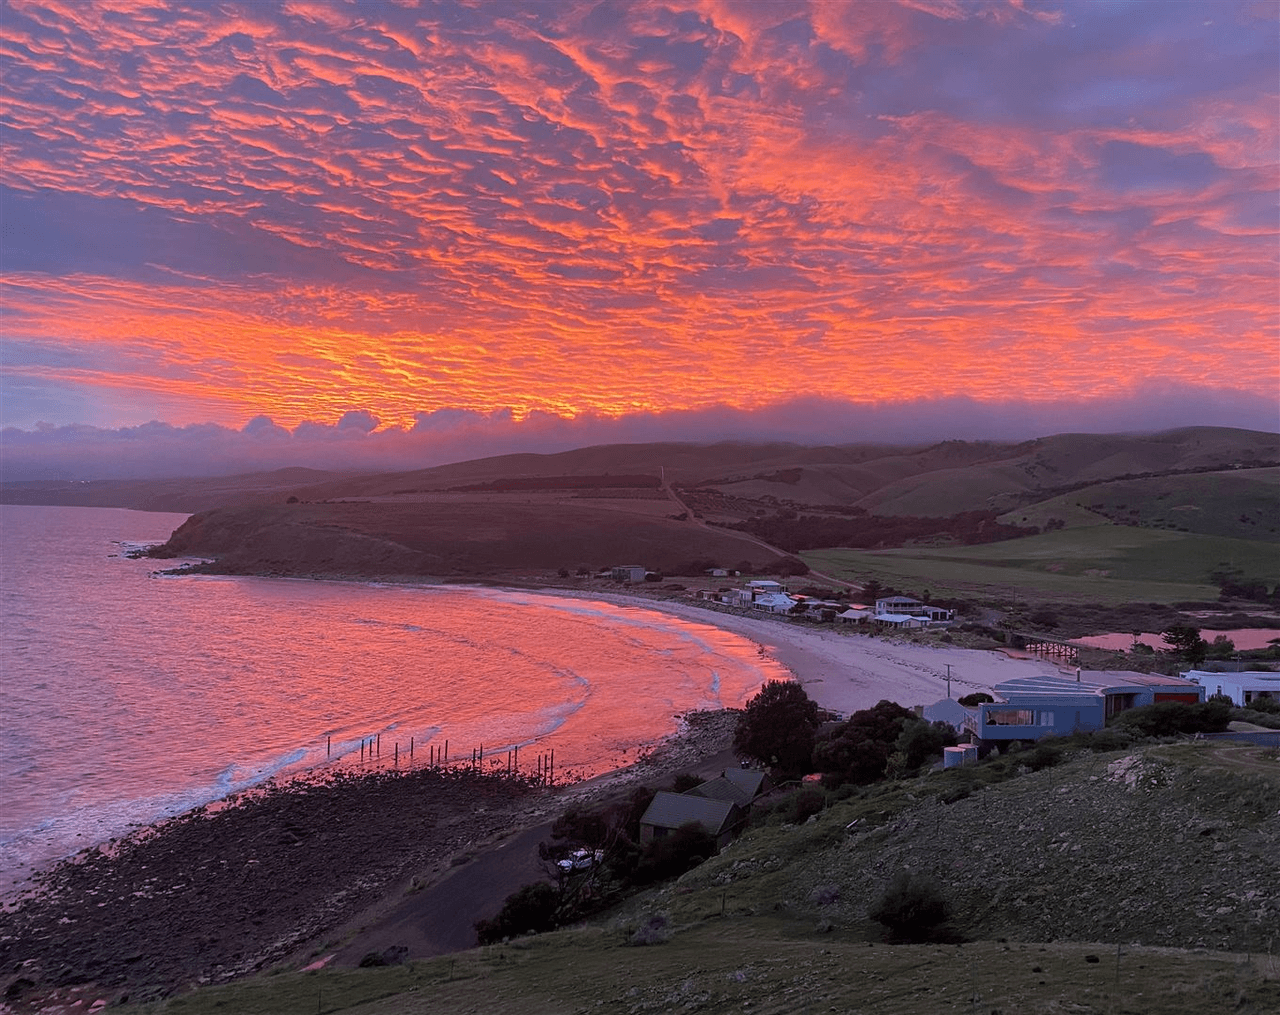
<point>1098,564</point>
<point>1241,504</point>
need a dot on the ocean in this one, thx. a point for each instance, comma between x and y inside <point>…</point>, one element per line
<point>129,696</point>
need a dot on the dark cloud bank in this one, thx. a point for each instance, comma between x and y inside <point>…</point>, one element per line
<point>356,441</point>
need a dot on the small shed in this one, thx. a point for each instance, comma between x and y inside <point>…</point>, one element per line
<point>627,573</point>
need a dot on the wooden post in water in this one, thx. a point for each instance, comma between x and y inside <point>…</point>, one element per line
<point>411,748</point>
<point>379,745</point>
<point>517,758</point>
<point>551,772</point>
<point>397,761</point>
<point>362,750</point>
<point>446,753</point>
<point>328,750</point>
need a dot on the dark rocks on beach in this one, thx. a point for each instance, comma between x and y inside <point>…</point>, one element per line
<point>221,892</point>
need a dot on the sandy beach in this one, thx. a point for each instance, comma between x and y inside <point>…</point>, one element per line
<point>842,670</point>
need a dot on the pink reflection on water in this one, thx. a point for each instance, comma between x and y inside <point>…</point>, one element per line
<point>1246,639</point>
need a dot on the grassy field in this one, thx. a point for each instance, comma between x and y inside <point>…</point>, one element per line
<point>1093,564</point>
<point>766,965</point>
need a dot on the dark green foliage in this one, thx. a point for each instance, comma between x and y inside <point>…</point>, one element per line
<point>857,751</point>
<point>975,699</point>
<point>1043,755</point>
<point>777,727</point>
<point>912,908</point>
<point>792,566</point>
<point>532,908</point>
<point>1169,718</point>
<point>1186,641</point>
<point>586,828</point>
<point>673,854</point>
<point>921,742</point>
<point>684,782</point>
<point>800,805</point>
<point>1260,704</point>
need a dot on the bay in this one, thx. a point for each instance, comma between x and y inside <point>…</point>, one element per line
<point>128,696</point>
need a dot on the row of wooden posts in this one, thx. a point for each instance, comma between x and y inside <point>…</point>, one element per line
<point>371,748</point>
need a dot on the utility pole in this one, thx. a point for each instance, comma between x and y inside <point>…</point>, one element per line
<point>948,680</point>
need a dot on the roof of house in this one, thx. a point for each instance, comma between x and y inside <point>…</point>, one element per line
<point>746,779</point>
<point>900,601</point>
<point>1090,684</point>
<point>671,810</point>
<point>721,788</point>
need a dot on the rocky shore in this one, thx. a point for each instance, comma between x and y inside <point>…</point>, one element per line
<point>262,878</point>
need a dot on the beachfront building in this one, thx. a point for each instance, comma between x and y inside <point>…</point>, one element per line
<point>627,573</point>
<point>905,606</point>
<point>1028,708</point>
<point>1242,688</point>
<point>766,596</point>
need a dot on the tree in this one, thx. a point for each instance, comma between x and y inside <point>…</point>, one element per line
<point>975,699</point>
<point>857,751</point>
<point>922,741</point>
<point>1186,641</point>
<point>777,727</point>
<point>872,590</point>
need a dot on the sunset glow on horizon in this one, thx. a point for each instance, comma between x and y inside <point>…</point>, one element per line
<point>304,210</point>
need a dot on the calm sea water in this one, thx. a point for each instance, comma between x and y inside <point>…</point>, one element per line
<point>127,696</point>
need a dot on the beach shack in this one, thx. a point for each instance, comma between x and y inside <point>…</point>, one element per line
<point>627,573</point>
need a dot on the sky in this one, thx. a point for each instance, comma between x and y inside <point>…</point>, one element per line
<point>334,233</point>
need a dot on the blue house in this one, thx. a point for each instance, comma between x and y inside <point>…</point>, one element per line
<point>1028,708</point>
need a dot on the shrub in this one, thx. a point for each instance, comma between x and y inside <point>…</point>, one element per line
<point>653,931</point>
<point>529,909</point>
<point>975,699</point>
<point>684,782</point>
<point>800,805</point>
<point>673,854</point>
<point>1041,756</point>
<point>1169,718</point>
<point>912,908</point>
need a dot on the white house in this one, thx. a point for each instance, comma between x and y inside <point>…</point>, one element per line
<point>1242,688</point>
<point>906,606</point>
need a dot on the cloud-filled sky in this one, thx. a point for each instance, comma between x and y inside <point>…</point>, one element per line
<point>376,214</point>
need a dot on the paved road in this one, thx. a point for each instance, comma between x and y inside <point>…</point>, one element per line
<point>440,919</point>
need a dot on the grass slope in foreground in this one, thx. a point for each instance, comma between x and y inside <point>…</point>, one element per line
<point>1093,564</point>
<point>1143,880</point>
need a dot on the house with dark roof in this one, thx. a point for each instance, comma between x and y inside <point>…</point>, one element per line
<point>720,818</point>
<point>739,785</point>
